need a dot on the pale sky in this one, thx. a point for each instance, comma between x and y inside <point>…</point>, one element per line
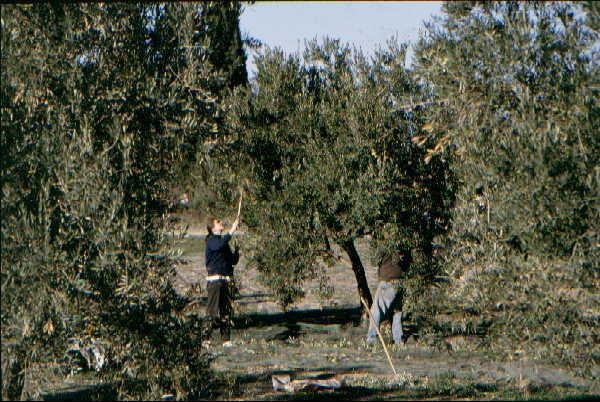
<point>366,24</point>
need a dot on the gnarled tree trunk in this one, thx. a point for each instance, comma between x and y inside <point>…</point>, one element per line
<point>359,272</point>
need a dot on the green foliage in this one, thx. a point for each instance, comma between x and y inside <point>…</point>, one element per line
<point>324,142</point>
<point>103,109</point>
<point>515,102</point>
<point>222,28</point>
<point>219,24</point>
<point>515,99</point>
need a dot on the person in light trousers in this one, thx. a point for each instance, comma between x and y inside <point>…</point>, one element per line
<point>392,269</point>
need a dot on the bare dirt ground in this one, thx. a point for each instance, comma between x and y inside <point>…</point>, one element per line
<point>325,338</point>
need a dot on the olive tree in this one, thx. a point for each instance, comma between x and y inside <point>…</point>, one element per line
<point>103,108</point>
<point>514,104</point>
<point>324,142</point>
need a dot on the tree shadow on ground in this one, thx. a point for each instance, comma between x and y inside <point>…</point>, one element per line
<point>344,394</point>
<point>328,316</point>
<point>94,392</point>
<point>292,320</point>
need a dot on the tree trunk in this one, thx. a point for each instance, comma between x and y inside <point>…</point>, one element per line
<point>359,272</point>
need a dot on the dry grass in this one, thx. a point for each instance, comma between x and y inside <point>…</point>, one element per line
<point>531,315</point>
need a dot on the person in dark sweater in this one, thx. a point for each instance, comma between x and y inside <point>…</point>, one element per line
<point>392,268</point>
<point>219,260</point>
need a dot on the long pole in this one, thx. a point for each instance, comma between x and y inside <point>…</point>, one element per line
<point>240,204</point>
<point>380,336</point>
<point>238,217</point>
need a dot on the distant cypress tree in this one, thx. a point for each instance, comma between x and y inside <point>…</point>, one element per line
<point>222,28</point>
<point>217,23</point>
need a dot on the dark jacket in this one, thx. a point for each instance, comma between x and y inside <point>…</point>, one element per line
<point>393,266</point>
<point>219,258</point>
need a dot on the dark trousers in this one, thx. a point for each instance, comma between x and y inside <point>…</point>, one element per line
<point>218,310</point>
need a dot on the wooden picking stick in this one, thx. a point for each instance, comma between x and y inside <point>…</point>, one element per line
<point>380,336</point>
<point>240,204</point>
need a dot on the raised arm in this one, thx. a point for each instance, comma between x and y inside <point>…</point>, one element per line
<point>234,226</point>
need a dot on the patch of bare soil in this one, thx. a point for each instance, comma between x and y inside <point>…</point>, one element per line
<point>325,338</point>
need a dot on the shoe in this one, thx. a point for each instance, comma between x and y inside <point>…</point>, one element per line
<point>402,341</point>
<point>227,344</point>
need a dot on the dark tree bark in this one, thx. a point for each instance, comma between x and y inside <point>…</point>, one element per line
<point>359,272</point>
